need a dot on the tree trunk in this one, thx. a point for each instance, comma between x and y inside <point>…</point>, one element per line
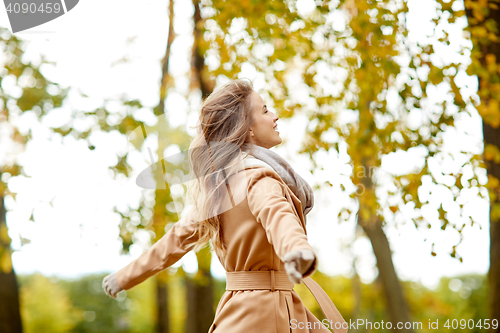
<point>200,76</point>
<point>163,318</point>
<point>396,303</point>
<point>10,314</point>
<point>200,296</point>
<point>160,109</point>
<point>491,135</point>
<point>162,198</point>
<point>200,301</point>
<point>10,317</point>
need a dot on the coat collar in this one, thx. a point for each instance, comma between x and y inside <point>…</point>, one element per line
<point>249,161</point>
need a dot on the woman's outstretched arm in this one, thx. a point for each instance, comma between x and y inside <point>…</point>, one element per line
<point>164,253</point>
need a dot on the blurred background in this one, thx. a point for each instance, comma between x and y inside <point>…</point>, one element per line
<point>389,109</point>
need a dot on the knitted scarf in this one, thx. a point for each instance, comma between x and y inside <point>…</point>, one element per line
<point>297,184</point>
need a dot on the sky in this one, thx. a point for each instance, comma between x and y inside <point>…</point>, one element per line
<point>71,193</point>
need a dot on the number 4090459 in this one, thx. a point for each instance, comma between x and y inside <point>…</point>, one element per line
<point>462,323</point>
<point>47,7</point>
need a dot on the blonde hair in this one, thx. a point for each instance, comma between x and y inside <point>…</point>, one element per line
<point>223,128</point>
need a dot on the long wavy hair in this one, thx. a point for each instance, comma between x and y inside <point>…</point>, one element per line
<point>222,130</point>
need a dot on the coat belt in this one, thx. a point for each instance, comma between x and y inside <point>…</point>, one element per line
<point>278,280</point>
<point>258,280</point>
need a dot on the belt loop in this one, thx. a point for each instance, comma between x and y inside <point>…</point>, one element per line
<point>272,280</point>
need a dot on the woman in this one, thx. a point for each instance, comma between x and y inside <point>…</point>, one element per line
<point>251,206</point>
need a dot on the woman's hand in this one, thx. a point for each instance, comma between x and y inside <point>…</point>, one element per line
<point>111,286</point>
<point>297,263</point>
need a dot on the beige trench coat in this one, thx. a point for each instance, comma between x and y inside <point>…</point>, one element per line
<point>266,223</point>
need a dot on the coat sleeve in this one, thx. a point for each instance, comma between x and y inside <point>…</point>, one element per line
<point>164,253</point>
<point>267,202</point>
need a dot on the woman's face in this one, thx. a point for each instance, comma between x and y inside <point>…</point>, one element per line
<point>263,132</point>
